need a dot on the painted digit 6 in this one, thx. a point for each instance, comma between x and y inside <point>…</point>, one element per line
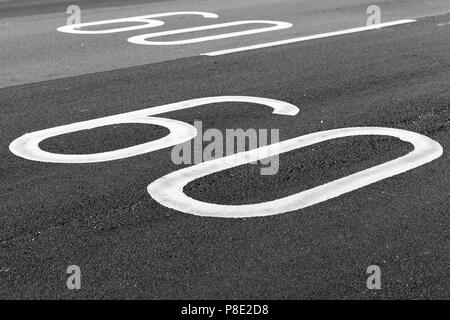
<point>148,20</point>
<point>27,146</point>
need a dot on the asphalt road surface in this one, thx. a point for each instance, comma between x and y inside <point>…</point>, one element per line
<point>100,216</point>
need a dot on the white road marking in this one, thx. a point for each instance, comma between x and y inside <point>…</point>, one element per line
<point>142,39</point>
<point>147,19</point>
<point>168,190</point>
<point>307,38</point>
<point>150,22</point>
<point>27,146</point>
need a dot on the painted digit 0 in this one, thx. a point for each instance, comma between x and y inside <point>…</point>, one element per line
<point>142,39</point>
<point>168,190</point>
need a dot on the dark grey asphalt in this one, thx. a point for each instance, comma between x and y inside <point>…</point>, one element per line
<point>100,217</point>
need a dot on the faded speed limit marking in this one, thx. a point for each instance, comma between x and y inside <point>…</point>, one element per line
<point>150,22</point>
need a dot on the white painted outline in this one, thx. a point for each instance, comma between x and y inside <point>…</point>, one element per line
<point>307,38</point>
<point>148,19</point>
<point>142,39</point>
<point>168,190</point>
<point>27,146</point>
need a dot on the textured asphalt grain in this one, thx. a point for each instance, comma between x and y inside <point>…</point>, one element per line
<point>101,218</point>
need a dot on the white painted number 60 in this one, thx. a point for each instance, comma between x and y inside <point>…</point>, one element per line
<point>149,21</point>
<point>168,190</point>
